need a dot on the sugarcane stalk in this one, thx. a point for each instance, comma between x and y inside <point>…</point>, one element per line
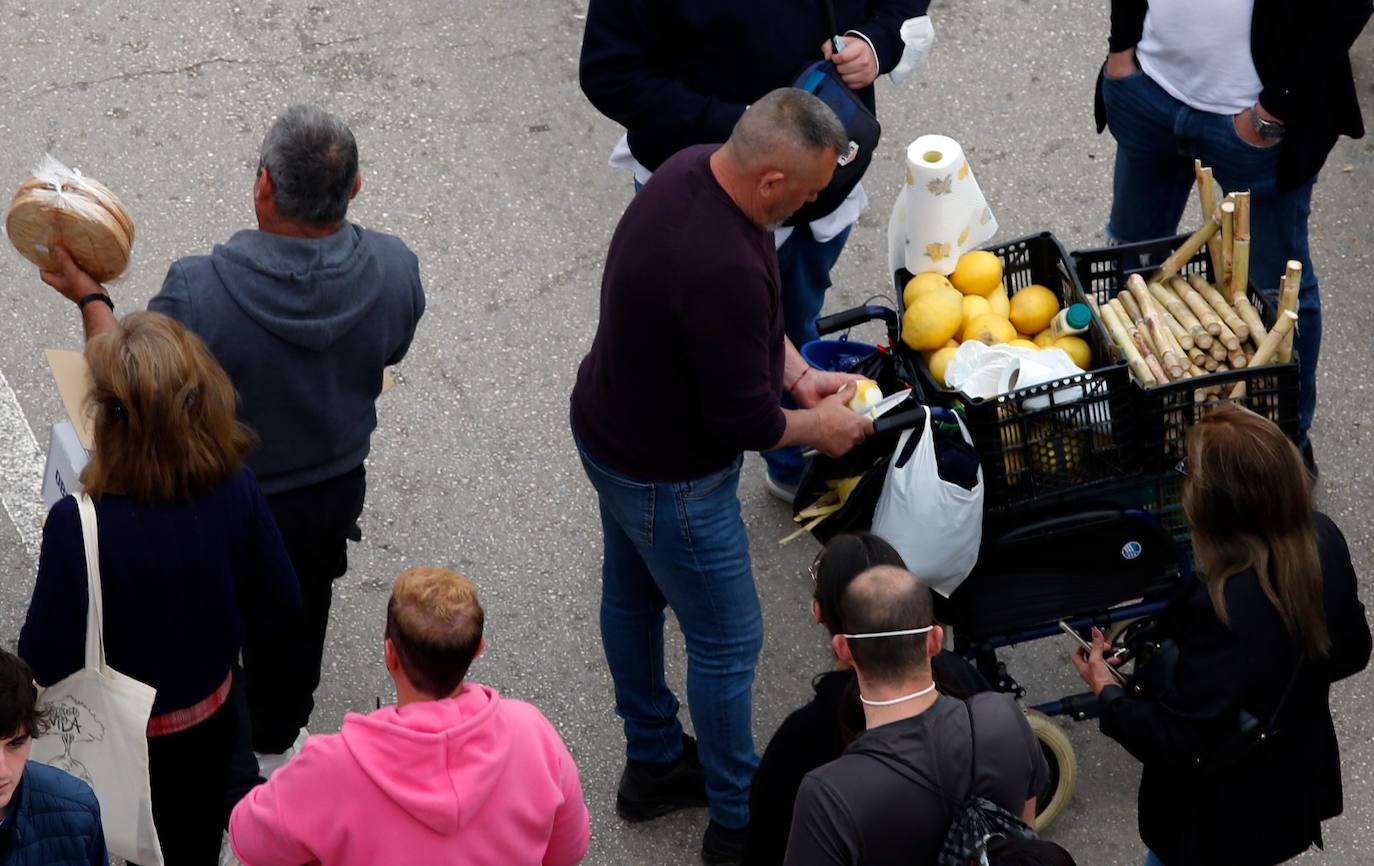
<point>1237,360</point>
<point>1269,349</point>
<point>1134,360</point>
<point>1210,363</point>
<point>1288,301</point>
<point>1173,354</point>
<point>1145,299</point>
<point>1251,317</point>
<point>1206,189</point>
<point>1180,314</point>
<point>1242,224</point>
<point>1132,308</point>
<point>1204,312</point>
<point>1229,334</point>
<point>1228,236</point>
<point>1181,256</point>
<point>1224,309</point>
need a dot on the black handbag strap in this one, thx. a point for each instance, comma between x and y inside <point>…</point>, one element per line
<point>832,30</point>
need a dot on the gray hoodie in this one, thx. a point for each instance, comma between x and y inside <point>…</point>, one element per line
<point>304,328</point>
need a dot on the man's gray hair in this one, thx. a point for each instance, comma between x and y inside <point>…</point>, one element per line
<point>786,123</point>
<point>312,160</point>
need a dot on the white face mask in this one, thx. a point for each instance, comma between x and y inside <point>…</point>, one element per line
<point>889,633</point>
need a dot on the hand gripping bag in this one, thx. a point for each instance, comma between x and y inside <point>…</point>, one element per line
<point>935,525</point>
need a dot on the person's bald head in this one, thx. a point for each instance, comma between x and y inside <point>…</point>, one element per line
<point>782,152</point>
<point>886,599</point>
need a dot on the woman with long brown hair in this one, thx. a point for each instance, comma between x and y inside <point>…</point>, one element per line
<point>1231,717</point>
<point>190,558</point>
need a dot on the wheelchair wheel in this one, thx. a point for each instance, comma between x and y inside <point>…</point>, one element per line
<point>1121,633</point>
<point>1058,752</point>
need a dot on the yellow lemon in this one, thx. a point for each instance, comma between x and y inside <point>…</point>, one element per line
<point>989,328</point>
<point>977,273</point>
<point>938,362</point>
<point>1025,344</point>
<point>932,319</point>
<point>1032,308</point>
<point>1078,350</point>
<point>867,394</point>
<point>1044,339</point>
<point>1001,305</point>
<point>975,306</point>
<point>922,283</point>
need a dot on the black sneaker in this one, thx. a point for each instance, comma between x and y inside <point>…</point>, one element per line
<point>650,790</point>
<point>722,846</point>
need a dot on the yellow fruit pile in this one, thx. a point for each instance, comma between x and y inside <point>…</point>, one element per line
<point>972,304</point>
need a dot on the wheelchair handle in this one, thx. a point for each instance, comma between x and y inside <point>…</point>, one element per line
<point>899,421</point>
<point>857,316</point>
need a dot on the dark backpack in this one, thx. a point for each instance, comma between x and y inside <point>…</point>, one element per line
<point>976,822</point>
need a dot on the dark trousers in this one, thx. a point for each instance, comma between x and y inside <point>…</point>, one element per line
<point>188,771</point>
<point>282,667</point>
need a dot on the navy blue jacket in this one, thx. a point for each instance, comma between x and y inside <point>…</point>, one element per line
<point>680,72</point>
<point>181,582</point>
<point>303,326</point>
<point>53,820</point>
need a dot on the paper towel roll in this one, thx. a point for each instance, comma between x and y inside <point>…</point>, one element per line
<point>944,211</point>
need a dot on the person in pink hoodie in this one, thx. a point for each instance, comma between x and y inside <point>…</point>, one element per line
<point>451,774</point>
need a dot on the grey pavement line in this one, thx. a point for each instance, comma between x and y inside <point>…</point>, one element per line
<point>21,470</point>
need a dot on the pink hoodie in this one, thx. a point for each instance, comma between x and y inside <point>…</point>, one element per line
<point>471,780</point>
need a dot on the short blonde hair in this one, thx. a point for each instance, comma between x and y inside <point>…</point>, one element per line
<point>434,621</point>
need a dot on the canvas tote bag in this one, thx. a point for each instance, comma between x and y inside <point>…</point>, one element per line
<point>98,727</point>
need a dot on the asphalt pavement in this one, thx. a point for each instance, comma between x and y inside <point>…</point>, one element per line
<point>480,151</point>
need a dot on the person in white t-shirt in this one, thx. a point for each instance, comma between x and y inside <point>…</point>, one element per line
<point>1257,89</point>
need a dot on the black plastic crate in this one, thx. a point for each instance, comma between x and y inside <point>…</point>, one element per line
<point>1165,413</point>
<point>1040,442</point>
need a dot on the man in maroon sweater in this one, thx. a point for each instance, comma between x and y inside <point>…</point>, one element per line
<point>684,376</point>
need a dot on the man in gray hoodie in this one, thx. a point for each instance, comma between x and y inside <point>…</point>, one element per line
<point>304,313</point>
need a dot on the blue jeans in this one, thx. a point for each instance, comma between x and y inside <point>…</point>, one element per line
<point>804,266</point>
<point>682,545</point>
<point>1151,859</point>
<point>1157,140</point>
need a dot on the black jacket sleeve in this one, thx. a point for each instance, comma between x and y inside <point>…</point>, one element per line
<point>1305,68</point>
<point>1128,23</point>
<point>621,76</point>
<point>1210,681</point>
<point>1346,619</point>
<point>883,28</point>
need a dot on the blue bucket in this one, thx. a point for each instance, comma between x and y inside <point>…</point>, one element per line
<point>838,356</point>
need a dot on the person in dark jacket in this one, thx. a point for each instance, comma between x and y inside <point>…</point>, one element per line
<point>1260,94</point>
<point>680,73</point>
<point>818,732</point>
<point>303,313</point>
<point>47,817</point>
<point>1259,641</point>
<point>191,562</point>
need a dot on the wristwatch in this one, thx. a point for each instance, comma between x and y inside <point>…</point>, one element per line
<point>1268,130</point>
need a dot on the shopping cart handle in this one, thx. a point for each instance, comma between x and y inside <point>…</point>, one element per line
<point>899,421</point>
<point>856,316</point>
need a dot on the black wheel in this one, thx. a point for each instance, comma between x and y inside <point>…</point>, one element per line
<point>1063,777</point>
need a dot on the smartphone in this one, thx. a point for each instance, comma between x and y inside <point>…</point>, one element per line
<point>1088,647</point>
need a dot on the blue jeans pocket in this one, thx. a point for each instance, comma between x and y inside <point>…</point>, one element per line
<point>1238,139</point>
<point>703,487</point>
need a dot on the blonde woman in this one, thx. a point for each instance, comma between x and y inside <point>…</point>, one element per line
<point>1272,622</point>
<point>190,559</point>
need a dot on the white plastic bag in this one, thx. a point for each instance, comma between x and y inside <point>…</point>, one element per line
<point>936,526</point>
<point>99,724</point>
<point>986,371</point>
<point>918,37</point>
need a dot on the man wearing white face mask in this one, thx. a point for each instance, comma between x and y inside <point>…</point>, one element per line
<point>859,807</point>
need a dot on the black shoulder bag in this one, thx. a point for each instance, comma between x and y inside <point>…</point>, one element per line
<point>822,80</point>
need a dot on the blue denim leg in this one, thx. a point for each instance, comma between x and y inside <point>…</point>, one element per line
<point>683,544</point>
<point>632,617</point>
<point>1151,859</point>
<point>804,265</point>
<point>1153,179</point>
